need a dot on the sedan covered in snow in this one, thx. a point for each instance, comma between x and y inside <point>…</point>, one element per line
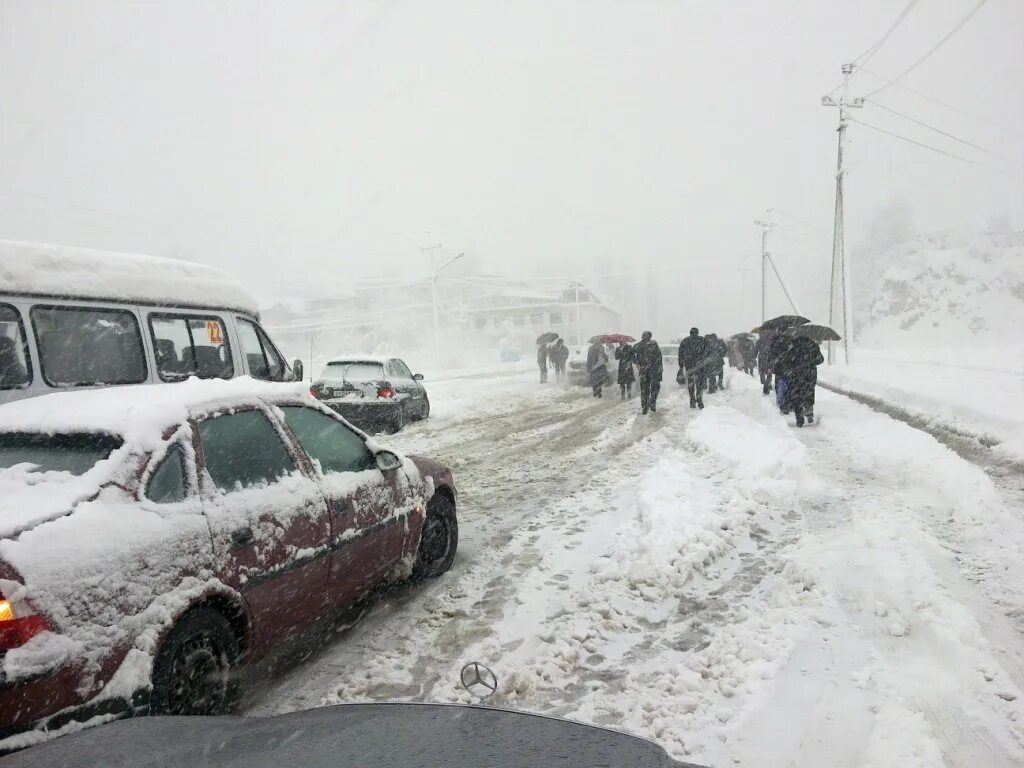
<point>152,538</point>
<point>378,394</point>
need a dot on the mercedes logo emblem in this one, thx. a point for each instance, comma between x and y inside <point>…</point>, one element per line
<point>479,680</point>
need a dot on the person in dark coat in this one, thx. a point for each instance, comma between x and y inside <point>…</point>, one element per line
<point>597,367</point>
<point>542,362</point>
<point>799,365</point>
<point>648,360</point>
<point>715,369</point>
<point>693,355</point>
<point>559,354</point>
<point>769,345</point>
<point>745,348</point>
<point>625,355</point>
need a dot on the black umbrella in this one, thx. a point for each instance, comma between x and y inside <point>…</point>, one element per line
<point>742,336</point>
<point>816,332</point>
<point>547,338</point>
<point>781,323</point>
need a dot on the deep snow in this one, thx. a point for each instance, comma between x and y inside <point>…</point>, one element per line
<point>741,591</point>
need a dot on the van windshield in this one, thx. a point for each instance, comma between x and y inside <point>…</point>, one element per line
<point>76,453</point>
<point>80,346</point>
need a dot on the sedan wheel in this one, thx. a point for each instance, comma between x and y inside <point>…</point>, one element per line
<point>192,674</point>
<point>439,539</point>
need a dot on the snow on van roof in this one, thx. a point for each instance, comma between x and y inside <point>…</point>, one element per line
<point>41,269</point>
<point>140,413</point>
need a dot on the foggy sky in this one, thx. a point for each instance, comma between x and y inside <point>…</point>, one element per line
<point>298,143</point>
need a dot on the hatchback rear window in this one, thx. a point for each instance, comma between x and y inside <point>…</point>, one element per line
<point>80,346</point>
<point>76,453</point>
<point>353,372</point>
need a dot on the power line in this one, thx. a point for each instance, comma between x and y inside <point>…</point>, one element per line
<point>931,50</point>
<point>806,223</point>
<point>938,130</point>
<point>870,52</point>
<point>946,104</point>
<point>912,141</point>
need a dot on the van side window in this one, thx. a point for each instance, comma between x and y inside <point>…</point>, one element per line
<point>264,361</point>
<point>190,345</point>
<point>80,346</point>
<point>15,372</point>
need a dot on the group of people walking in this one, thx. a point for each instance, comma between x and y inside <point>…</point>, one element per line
<point>788,362</point>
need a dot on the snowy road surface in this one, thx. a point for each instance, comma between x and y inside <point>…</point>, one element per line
<point>740,591</point>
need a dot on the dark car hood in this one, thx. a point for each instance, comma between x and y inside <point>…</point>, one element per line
<point>350,736</point>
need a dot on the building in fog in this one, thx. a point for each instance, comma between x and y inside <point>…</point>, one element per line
<point>575,313</point>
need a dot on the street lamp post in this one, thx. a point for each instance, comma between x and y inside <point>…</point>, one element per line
<point>437,318</point>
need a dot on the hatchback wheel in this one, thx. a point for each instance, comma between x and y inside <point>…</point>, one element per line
<point>192,673</point>
<point>439,539</point>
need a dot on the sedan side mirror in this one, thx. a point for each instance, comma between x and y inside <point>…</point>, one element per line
<point>387,461</point>
<point>297,370</point>
<point>418,376</point>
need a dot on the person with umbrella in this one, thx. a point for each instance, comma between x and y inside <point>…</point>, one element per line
<point>559,354</point>
<point>624,353</point>
<point>542,354</point>
<point>693,354</point>
<point>597,367</point>
<point>799,365</point>
<point>771,345</point>
<point>648,359</point>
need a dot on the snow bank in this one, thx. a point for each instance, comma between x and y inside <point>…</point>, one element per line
<point>977,391</point>
<point>55,270</point>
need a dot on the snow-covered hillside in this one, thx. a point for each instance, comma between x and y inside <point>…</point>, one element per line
<point>944,290</point>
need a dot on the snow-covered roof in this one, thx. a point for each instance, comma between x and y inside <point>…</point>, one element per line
<point>40,269</point>
<point>139,414</point>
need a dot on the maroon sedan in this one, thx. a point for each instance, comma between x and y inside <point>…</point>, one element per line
<point>151,538</point>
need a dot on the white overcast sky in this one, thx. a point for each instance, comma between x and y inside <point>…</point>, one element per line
<point>288,140</point>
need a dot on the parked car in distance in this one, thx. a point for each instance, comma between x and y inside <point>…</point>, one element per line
<point>378,394</point>
<point>73,318</point>
<point>153,538</point>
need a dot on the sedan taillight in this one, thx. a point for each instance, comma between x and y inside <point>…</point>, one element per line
<point>386,391</point>
<point>315,391</point>
<point>19,624</point>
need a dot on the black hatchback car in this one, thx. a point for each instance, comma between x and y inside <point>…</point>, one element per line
<point>376,394</point>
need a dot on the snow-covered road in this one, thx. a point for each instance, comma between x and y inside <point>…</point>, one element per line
<point>742,592</point>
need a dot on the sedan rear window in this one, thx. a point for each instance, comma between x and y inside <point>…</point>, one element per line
<point>81,346</point>
<point>75,453</point>
<point>353,372</point>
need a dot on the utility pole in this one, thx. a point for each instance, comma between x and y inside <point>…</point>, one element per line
<point>428,250</point>
<point>766,226</point>
<point>839,288</point>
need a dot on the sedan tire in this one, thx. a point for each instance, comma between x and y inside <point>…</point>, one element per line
<point>193,671</point>
<point>439,539</point>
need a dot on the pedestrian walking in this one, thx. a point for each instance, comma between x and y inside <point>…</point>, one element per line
<point>715,369</point>
<point>745,348</point>
<point>559,354</point>
<point>625,355</point>
<point>597,367</point>
<point>767,349</point>
<point>799,365</point>
<point>693,354</point>
<point>651,365</point>
<point>542,362</point>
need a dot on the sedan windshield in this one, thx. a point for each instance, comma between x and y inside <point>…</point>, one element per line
<point>75,453</point>
<point>353,372</point>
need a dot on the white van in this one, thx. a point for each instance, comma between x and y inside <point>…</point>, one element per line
<point>73,318</point>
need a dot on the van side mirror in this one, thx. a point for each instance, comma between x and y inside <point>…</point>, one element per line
<point>297,371</point>
<point>418,376</point>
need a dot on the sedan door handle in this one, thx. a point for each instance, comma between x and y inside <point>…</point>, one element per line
<point>241,537</point>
